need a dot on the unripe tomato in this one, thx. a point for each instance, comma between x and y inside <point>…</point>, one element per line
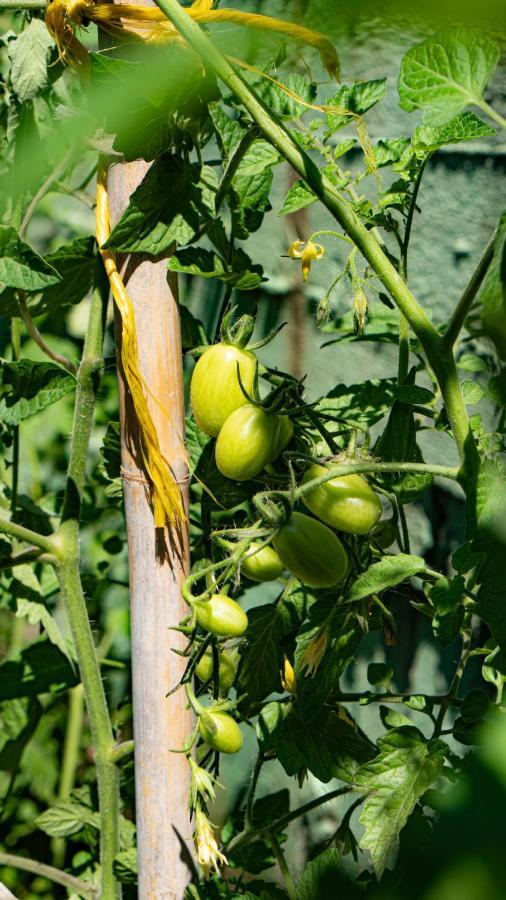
<point>261,565</point>
<point>221,616</point>
<point>220,731</point>
<point>215,391</point>
<point>283,436</point>
<point>227,663</point>
<point>311,551</point>
<point>246,442</point>
<point>347,502</point>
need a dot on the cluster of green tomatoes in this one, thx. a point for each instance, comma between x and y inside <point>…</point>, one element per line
<point>250,436</point>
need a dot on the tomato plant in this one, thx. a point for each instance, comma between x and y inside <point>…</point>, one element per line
<point>315,564</point>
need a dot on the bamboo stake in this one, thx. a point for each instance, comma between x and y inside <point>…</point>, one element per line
<point>158,563</point>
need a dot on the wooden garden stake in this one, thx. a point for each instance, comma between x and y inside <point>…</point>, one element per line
<point>158,561</point>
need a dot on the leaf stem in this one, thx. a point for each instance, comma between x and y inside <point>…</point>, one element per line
<point>37,338</point>
<point>457,678</point>
<point>356,697</point>
<point>490,111</point>
<point>235,160</point>
<point>122,751</point>
<point>45,542</point>
<point>37,868</point>
<point>16,352</point>
<point>283,867</point>
<point>466,301</point>
<point>70,759</point>
<point>60,167</point>
<point>371,466</point>
<point>248,816</point>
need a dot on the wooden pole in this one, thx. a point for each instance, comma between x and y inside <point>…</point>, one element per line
<point>158,563</point>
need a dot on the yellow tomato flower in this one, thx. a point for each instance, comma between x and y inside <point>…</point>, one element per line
<point>207,852</point>
<point>314,652</point>
<point>306,251</point>
<point>288,680</point>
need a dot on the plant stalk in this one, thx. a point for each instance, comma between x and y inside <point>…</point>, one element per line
<point>75,604</point>
<point>37,868</point>
<point>465,303</point>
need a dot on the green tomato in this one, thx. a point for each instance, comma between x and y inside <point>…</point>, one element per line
<point>227,664</point>
<point>220,731</point>
<point>221,616</point>
<point>261,564</point>
<point>311,551</point>
<point>246,442</point>
<point>284,434</point>
<point>215,391</point>
<point>346,503</point>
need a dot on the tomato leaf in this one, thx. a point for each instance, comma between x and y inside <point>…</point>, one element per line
<point>298,197</point>
<point>241,273</point>
<point>330,746</point>
<point>20,266</point>
<point>493,294</point>
<point>18,721</point>
<point>445,73</point>
<point>407,765</point>
<point>30,387</point>
<point>151,225</point>
<point>365,402</point>
<point>39,668</point>
<point>386,573</point>
<point>464,127</point>
<point>262,656</point>
<point>351,99</point>
<point>28,54</point>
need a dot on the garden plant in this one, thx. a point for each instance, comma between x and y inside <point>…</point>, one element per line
<point>175,135</point>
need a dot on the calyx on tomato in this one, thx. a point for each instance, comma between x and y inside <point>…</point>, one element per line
<point>249,440</point>
<point>261,563</point>
<point>310,550</point>
<point>347,502</point>
<point>215,390</point>
<point>222,616</point>
<point>220,731</point>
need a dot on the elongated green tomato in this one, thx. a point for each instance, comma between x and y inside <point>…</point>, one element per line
<point>221,616</point>
<point>261,564</point>
<point>311,551</point>
<point>227,664</point>
<point>347,503</point>
<point>245,442</point>
<point>283,436</point>
<point>220,731</point>
<point>215,391</point>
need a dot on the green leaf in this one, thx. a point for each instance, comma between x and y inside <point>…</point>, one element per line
<point>196,440</point>
<point>343,634</point>
<point>379,674</point>
<point>320,877</point>
<point>281,103</point>
<point>474,706</point>
<point>229,131</point>
<point>464,127</point>
<point>257,856</point>
<point>38,669</point>
<point>491,541</point>
<point>125,866</point>
<point>298,197</point>
<point>20,266</point>
<point>30,606</point>
<point>110,464</point>
<point>28,54</point>
<point>241,274</point>
<point>18,721</point>
<point>351,99</point>
<point>150,224</point>
<point>261,155</point>
<point>30,387</point>
<point>446,596</point>
<point>365,402</point>
<point>406,767</point>
<point>193,333</point>
<point>445,73</point>
<point>493,294</point>
<point>472,393</point>
<point>262,655</point>
<point>330,746</point>
<point>386,573</point>
<point>387,152</point>
<point>67,817</point>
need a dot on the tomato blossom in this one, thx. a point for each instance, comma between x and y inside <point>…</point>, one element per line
<point>207,851</point>
<point>306,251</point>
<point>314,652</point>
<point>201,782</point>
<point>288,680</point>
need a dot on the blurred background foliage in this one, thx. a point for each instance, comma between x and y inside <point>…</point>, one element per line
<point>462,198</point>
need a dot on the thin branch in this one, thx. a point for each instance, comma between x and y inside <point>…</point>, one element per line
<point>36,336</point>
<point>60,167</point>
<point>45,871</point>
<point>46,543</point>
<point>31,554</point>
<point>248,138</point>
<point>283,867</point>
<point>122,751</point>
<point>248,816</point>
<point>245,837</point>
<point>352,468</point>
<point>465,303</point>
<point>437,699</point>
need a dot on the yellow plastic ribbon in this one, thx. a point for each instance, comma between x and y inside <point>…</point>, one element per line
<point>166,495</point>
<point>150,24</point>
